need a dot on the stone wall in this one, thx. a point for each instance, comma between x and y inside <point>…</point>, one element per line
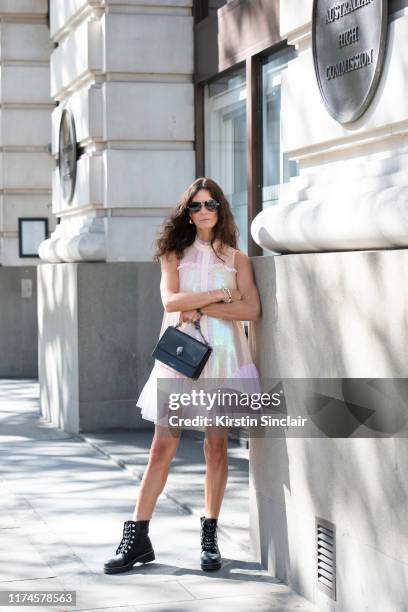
<point>333,315</point>
<point>18,322</point>
<point>25,134</point>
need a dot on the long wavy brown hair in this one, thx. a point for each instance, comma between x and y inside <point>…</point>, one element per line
<point>177,233</point>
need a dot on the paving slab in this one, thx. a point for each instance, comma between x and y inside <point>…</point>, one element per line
<point>261,603</point>
<point>185,484</point>
<point>63,502</point>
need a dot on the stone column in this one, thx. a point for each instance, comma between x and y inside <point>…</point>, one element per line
<point>336,315</point>
<point>125,72</point>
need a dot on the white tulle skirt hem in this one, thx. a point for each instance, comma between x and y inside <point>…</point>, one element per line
<point>147,401</point>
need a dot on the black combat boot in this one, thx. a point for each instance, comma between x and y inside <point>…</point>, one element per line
<point>135,546</point>
<point>210,555</point>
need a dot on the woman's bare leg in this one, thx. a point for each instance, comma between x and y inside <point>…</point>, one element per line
<point>162,451</point>
<point>216,475</point>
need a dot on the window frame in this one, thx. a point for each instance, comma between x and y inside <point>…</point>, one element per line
<point>237,68</point>
<point>290,53</point>
<point>23,221</point>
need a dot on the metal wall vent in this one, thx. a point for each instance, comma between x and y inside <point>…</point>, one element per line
<point>326,556</point>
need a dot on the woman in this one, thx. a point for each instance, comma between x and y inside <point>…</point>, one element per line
<point>206,278</point>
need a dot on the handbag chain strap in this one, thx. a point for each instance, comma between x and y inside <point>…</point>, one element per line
<point>197,326</point>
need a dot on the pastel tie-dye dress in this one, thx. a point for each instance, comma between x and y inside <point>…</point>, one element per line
<point>201,270</point>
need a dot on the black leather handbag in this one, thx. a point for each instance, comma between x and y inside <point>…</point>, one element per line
<point>182,352</point>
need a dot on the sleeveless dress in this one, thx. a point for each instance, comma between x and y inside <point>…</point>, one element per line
<point>201,270</point>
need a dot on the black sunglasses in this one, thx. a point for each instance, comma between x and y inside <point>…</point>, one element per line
<point>196,206</point>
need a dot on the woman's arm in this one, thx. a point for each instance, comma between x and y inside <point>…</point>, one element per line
<point>249,307</point>
<point>175,301</point>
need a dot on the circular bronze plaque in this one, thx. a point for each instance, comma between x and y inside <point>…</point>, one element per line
<point>349,40</point>
<point>67,155</point>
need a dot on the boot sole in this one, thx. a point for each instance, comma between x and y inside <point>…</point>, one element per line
<point>145,558</point>
<point>210,568</point>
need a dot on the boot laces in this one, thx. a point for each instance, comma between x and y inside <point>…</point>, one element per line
<point>209,537</point>
<point>127,539</point>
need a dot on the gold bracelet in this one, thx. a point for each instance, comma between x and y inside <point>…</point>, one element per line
<point>228,295</point>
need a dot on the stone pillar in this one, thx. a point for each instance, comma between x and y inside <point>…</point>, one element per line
<point>125,72</point>
<point>98,324</point>
<point>336,315</point>
<point>25,130</point>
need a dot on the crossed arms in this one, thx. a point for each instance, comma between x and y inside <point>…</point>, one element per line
<point>246,304</point>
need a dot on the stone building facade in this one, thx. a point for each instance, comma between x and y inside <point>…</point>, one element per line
<point>125,71</point>
<point>162,91</point>
<point>26,106</point>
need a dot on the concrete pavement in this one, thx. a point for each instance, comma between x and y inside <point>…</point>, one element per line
<point>63,501</point>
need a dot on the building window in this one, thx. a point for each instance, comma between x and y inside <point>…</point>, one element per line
<point>276,167</point>
<point>226,144</point>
